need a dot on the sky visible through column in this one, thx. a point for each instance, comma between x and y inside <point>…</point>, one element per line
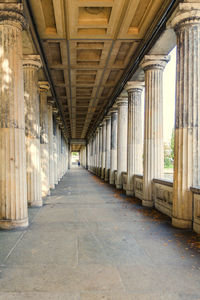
<point>169,91</point>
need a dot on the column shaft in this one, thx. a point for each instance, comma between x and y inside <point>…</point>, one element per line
<point>31,65</point>
<point>153,129</point>
<point>122,103</point>
<point>13,188</point>
<point>108,142</point>
<point>50,138</point>
<point>113,150</point>
<point>135,142</point>
<point>44,138</point>
<point>187,122</point>
<point>103,160</point>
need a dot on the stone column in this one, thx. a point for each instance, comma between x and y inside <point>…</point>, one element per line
<point>122,103</point>
<point>100,149</point>
<point>135,142</point>
<point>50,138</point>
<point>186,23</point>
<point>113,150</point>
<point>69,156</point>
<point>87,155</point>
<point>103,160</point>
<point>94,153</point>
<point>13,188</point>
<point>153,66</point>
<point>97,151</point>
<point>44,138</point>
<point>55,111</point>
<point>108,142</point>
<point>31,66</point>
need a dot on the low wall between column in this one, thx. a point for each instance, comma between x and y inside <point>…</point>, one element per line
<point>196,208</point>
<point>124,180</point>
<point>163,196</point>
<point>138,186</point>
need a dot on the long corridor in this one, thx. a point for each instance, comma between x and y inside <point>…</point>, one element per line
<point>91,242</point>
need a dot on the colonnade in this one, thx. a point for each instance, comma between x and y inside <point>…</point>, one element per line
<point>33,148</point>
<point>146,158</point>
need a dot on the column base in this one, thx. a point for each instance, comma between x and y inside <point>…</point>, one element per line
<point>12,224</point>
<point>112,181</point>
<point>147,203</point>
<point>119,186</point>
<point>35,204</point>
<point>129,193</point>
<point>180,223</point>
<point>196,227</point>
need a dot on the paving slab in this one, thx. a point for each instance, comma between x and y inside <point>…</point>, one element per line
<point>90,241</point>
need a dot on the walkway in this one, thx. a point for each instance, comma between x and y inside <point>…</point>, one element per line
<point>90,242</point>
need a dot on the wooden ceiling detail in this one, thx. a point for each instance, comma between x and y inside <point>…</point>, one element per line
<point>88,45</point>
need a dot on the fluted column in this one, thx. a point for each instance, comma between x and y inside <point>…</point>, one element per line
<point>100,149</point>
<point>97,151</point>
<point>44,138</point>
<point>135,142</point>
<point>31,65</point>
<point>186,23</point>
<point>103,159</point>
<point>108,141</point>
<point>50,138</point>
<point>55,145</point>
<point>153,66</point>
<point>13,188</point>
<point>113,150</point>
<point>122,103</point>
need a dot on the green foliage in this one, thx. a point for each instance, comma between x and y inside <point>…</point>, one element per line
<point>169,153</point>
<point>172,145</point>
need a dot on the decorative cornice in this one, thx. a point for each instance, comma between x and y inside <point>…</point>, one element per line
<point>32,61</point>
<point>12,14</point>
<point>152,62</point>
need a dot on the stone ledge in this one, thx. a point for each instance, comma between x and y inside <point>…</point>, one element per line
<point>195,189</point>
<point>163,181</point>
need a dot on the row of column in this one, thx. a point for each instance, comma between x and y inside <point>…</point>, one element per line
<point>31,152</point>
<point>123,151</point>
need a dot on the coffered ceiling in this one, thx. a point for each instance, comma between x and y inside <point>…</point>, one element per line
<point>88,46</point>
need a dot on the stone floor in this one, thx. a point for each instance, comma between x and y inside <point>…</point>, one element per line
<point>91,242</point>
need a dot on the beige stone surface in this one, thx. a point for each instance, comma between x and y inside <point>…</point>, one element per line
<point>44,138</point>
<point>13,188</point>
<point>187,142</point>
<point>153,66</point>
<point>122,103</point>
<point>31,64</point>
<point>135,141</point>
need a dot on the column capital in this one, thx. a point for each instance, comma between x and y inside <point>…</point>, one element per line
<point>151,62</point>
<point>114,109</point>
<point>107,117</point>
<point>187,13</point>
<point>32,61</point>
<point>43,86</point>
<point>12,14</point>
<point>122,101</point>
<point>134,85</point>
